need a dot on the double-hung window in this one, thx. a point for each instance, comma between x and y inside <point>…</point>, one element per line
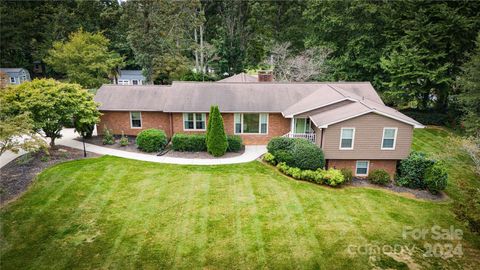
<point>194,121</point>
<point>251,123</point>
<point>389,138</point>
<point>347,138</point>
<point>135,82</point>
<point>362,168</point>
<point>12,79</point>
<point>136,119</point>
<point>124,82</point>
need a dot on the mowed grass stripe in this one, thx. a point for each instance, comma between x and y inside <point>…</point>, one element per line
<point>243,216</point>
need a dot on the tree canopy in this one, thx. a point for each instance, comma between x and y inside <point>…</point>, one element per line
<point>51,105</point>
<point>412,51</point>
<point>85,59</point>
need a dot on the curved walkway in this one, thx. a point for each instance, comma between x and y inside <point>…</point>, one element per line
<point>251,153</point>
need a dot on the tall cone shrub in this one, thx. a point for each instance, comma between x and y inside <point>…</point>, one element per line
<point>216,138</point>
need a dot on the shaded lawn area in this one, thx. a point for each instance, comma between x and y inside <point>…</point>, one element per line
<point>439,143</point>
<point>110,212</point>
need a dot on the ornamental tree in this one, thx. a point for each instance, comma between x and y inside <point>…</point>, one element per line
<point>16,133</point>
<point>52,105</point>
<point>84,59</point>
<point>216,138</point>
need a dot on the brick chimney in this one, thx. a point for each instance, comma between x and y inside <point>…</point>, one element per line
<point>265,76</point>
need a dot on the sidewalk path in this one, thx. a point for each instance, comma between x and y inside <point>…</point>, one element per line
<point>251,153</point>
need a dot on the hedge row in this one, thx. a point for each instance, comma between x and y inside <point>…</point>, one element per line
<point>197,143</point>
<point>331,177</point>
<point>151,140</point>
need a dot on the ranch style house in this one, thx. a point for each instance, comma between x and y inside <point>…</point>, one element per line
<point>348,120</point>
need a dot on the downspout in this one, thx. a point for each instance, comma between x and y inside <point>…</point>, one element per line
<point>171,124</point>
<point>321,138</point>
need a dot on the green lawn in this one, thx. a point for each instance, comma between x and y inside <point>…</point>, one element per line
<point>116,213</point>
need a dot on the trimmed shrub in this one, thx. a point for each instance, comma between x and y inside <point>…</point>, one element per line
<point>330,177</point>
<point>279,144</point>
<point>269,158</point>
<point>108,136</point>
<point>235,143</point>
<point>124,140</point>
<point>333,177</point>
<point>299,153</point>
<point>306,155</point>
<point>216,138</point>
<point>379,177</point>
<point>151,140</point>
<point>412,170</point>
<point>347,174</point>
<point>436,178</point>
<point>189,142</point>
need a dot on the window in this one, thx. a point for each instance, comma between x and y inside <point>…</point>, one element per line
<point>194,121</point>
<point>347,137</point>
<point>362,168</point>
<point>135,82</point>
<point>251,123</point>
<point>302,125</point>
<point>123,82</point>
<point>389,138</point>
<point>12,79</point>
<point>136,119</point>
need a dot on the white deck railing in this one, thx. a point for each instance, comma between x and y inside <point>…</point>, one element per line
<point>308,136</point>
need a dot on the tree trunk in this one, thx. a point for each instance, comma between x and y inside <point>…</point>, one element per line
<point>52,142</point>
<point>201,50</point>
<point>197,67</point>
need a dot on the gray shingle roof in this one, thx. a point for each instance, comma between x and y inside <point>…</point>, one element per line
<point>14,72</point>
<point>131,97</point>
<point>240,77</point>
<point>126,74</point>
<point>287,98</point>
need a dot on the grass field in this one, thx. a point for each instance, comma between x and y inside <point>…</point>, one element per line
<point>117,213</point>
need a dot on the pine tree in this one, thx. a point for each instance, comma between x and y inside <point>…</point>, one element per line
<point>216,138</point>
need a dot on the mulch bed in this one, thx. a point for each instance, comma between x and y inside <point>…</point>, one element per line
<point>415,193</point>
<point>18,174</point>
<point>132,147</point>
<point>168,152</point>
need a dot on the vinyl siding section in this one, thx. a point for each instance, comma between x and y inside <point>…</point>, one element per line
<point>368,139</point>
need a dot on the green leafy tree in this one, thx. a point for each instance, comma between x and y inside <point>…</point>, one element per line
<point>160,35</point>
<point>16,133</point>
<point>84,59</point>
<point>52,105</point>
<point>216,139</point>
<point>469,98</point>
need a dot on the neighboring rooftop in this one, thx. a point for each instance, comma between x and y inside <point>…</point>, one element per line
<point>240,77</point>
<point>126,74</point>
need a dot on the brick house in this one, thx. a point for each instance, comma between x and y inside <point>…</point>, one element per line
<point>349,121</point>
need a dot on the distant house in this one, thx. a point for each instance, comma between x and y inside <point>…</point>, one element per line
<point>130,77</point>
<point>262,76</point>
<point>15,75</point>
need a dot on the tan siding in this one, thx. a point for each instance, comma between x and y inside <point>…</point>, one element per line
<point>368,138</point>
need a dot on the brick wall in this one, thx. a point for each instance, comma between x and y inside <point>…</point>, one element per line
<point>388,165</point>
<point>120,121</point>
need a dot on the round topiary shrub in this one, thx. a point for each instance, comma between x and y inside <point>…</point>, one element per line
<point>379,177</point>
<point>306,155</point>
<point>151,140</point>
<point>436,178</point>
<point>279,144</point>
